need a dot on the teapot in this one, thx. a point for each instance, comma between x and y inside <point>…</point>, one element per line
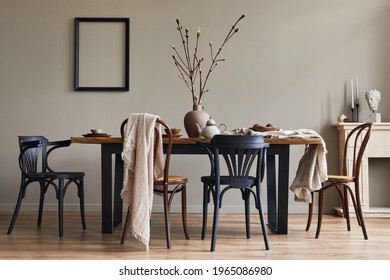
<point>211,129</point>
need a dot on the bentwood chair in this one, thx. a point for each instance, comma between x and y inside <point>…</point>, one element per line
<point>354,148</point>
<point>167,186</point>
<point>33,152</point>
<point>239,154</point>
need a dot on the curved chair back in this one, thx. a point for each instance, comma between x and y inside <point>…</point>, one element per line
<point>30,154</point>
<point>239,153</point>
<point>356,144</point>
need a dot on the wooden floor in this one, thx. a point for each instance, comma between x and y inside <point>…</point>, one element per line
<point>335,242</point>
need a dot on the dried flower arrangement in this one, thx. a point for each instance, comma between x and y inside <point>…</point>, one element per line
<point>189,66</point>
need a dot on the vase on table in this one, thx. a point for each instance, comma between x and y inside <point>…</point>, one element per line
<point>196,116</point>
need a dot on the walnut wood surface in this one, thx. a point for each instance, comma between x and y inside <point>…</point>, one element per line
<point>116,140</point>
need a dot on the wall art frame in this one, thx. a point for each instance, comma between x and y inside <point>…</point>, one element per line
<point>101,54</point>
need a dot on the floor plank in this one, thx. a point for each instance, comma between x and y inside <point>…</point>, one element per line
<point>335,242</point>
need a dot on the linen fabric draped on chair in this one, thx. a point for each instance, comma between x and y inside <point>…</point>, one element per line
<point>355,146</point>
<point>239,153</point>
<point>145,173</point>
<point>32,150</point>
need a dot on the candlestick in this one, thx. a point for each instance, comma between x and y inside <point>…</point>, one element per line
<point>352,115</point>
<point>357,112</point>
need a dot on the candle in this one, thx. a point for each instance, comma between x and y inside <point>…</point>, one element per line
<point>357,90</point>
<point>352,104</point>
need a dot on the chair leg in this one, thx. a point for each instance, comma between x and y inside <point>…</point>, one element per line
<point>167,216</point>
<point>262,220</point>
<point>61,207</point>
<point>41,202</point>
<point>80,187</point>
<point>184,211</point>
<point>217,200</point>
<point>17,208</point>
<point>310,214</point>
<point>126,227</point>
<point>320,206</point>
<point>346,207</point>
<point>206,200</point>
<point>355,206</point>
<point>359,212</point>
<point>247,214</point>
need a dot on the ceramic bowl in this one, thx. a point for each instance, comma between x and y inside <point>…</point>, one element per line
<point>175,130</point>
<point>96,131</point>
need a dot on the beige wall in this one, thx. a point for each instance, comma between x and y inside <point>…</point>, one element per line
<point>288,65</point>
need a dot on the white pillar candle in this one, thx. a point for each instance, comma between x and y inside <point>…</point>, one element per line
<point>352,104</point>
<point>357,90</point>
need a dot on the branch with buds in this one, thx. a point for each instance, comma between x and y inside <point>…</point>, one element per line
<point>189,66</point>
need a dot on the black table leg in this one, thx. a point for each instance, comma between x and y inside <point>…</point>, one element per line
<point>106,164</point>
<point>118,202</point>
<point>110,220</point>
<point>271,191</point>
<point>277,192</point>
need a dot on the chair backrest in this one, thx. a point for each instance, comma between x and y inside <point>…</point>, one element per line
<point>239,153</point>
<point>354,148</point>
<point>168,149</point>
<point>30,156</point>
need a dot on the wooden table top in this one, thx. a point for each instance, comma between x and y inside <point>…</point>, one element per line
<point>189,141</point>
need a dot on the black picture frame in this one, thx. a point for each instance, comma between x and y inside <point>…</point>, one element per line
<point>88,63</point>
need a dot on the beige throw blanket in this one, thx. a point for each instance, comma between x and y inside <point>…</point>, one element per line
<point>312,168</point>
<point>141,166</point>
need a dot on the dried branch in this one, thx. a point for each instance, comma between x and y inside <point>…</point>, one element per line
<point>190,66</point>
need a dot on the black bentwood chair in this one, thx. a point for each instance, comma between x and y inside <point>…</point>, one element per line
<point>34,150</point>
<point>239,153</point>
<point>355,146</point>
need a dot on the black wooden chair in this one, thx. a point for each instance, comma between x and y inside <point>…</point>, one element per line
<point>355,146</point>
<point>167,186</point>
<point>239,153</point>
<point>35,150</point>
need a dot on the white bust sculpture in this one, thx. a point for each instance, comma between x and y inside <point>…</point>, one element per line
<point>373,98</point>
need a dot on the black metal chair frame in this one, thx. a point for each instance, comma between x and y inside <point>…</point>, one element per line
<point>164,187</point>
<point>34,149</point>
<point>239,153</point>
<point>356,144</point>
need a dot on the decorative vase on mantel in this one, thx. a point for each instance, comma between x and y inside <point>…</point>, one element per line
<point>196,116</point>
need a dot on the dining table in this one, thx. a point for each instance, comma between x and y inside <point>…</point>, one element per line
<point>277,172</point>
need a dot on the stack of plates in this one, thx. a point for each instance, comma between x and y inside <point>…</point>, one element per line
<point>96,133</point>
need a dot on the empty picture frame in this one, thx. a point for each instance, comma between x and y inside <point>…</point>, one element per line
<point>101,54</point>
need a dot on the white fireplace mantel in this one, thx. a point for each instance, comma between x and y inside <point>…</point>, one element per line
<point>378,147</point>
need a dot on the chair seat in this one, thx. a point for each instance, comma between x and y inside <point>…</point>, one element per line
<point>224,180</point>
<point>340,179</point>
<point>58,175</point>
<point>172,180</point>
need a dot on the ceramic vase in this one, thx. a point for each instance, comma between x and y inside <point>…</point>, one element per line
<point>196,116</point>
